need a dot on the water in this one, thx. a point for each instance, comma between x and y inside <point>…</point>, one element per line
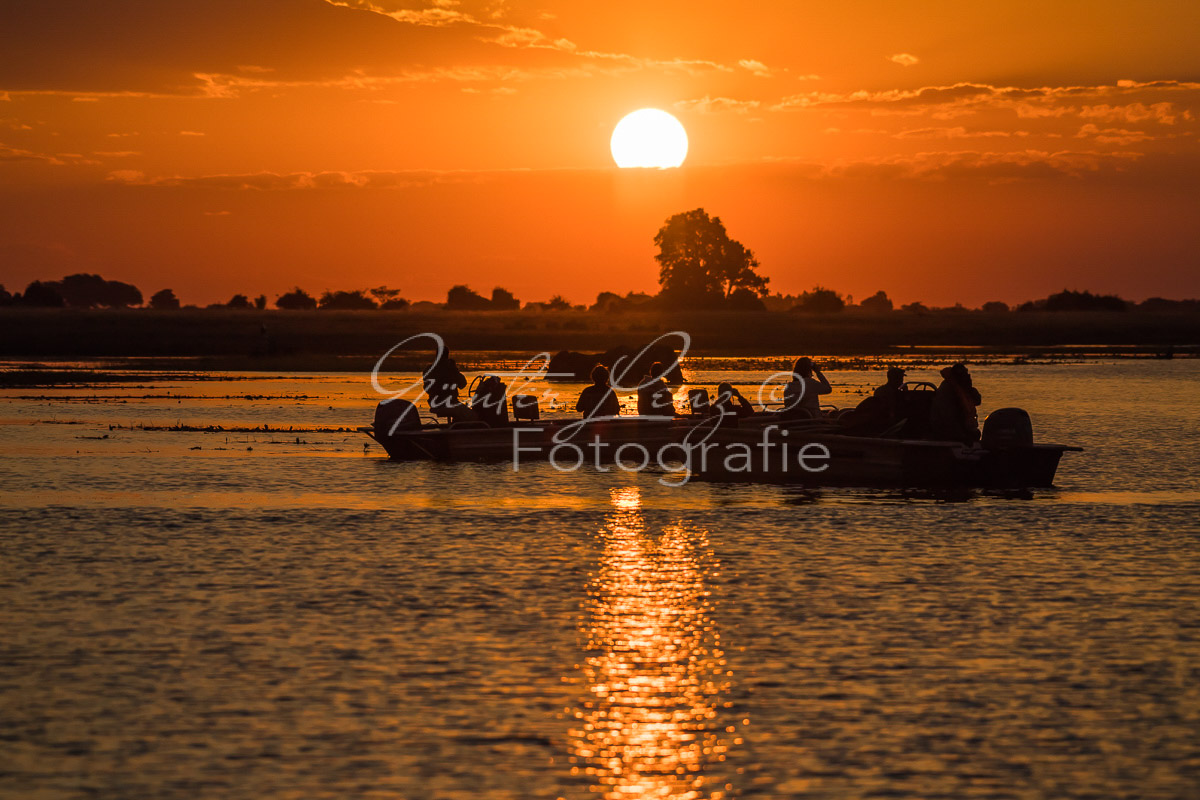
<point>194,614</point>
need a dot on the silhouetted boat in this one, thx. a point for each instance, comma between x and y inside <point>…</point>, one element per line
<point>773,454</point>
<point>406,437</point>
<point>760,448</point>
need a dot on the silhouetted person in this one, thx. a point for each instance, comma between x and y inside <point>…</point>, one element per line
<point>801,395</point>
<point>891,397</point>
<point>730,401</point>
<point>442,381</point>
<point>654,396</point>
<point>598,400</point>
<point>884,408</point>
<point>953,417</point>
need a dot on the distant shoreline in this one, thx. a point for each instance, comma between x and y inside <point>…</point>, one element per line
<point>352,341</point>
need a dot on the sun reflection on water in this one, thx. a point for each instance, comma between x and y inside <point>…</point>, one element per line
<point>651,725</point>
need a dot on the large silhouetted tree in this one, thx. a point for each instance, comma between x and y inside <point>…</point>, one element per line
<point>84,290</point>
<point>699,263</point>
<point>40,294</point>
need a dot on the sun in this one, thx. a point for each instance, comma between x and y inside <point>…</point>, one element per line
<point>649,138</point>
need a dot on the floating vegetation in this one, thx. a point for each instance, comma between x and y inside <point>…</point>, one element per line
<point>181,428</point>
<point>109,398</point>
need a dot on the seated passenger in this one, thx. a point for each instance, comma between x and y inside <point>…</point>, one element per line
<point>442,380</point>
<point>730,401</point>
<point>800,396</point>
<point>599,400</point>
<point>882,410</point>
<point>654,397</point>
<point>953,417</point>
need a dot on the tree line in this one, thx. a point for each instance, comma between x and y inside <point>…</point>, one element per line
<point>700,268</point>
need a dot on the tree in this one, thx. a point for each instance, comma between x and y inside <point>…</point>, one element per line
<point>164,300</point>
<point>699,263</point>
<point>558,303</point>
<point>260,302</point>
<point>84,290</point>
<point>820,301</point>
<point>239,301</point>
<point>388,299</point>
<point>462,298</point>
<point>1067,300</point>
<point>6,299</point>
<point>607,301</point>
<point>382,294</point>
<point>296,300</point>
<point>878,303</point>
<point>40,295</point>
<point>995,307</point>
<point>744,299</point>
<point>504,300</point>
<point>347,301</point>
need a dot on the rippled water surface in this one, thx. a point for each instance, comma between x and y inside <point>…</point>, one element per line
<point>286,614</point>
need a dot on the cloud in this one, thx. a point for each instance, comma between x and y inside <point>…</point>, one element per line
<point>8,153</point>
<point>716,105</point>
<point>958,132</point>
<point>291,181</point>
<point>989,166</point>
<point>1117,136</point>
<point>18,154</point>
<point>493,30</point>
<point>756,67</point>
<point>974,165</point>
<point>437,16</point>
<point>966,97</point>
<point>904,59</point>
<point>1165,113</point>
<point>131,176</point>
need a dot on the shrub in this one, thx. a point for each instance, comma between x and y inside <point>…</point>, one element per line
<point>296,300</point>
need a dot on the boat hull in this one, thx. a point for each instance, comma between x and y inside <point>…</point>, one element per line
<point>779,455</point>
<point>596,440</point>
<point>761,451</point>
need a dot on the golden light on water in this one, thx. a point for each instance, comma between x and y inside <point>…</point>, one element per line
<point>650,726</point>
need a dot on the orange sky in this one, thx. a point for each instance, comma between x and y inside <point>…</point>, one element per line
<point>940,151</point>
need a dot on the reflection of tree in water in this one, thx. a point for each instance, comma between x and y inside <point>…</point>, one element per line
<point>650,727</point>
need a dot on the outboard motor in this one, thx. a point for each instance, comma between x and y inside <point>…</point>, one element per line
<point>396,414</point>
<point>1007,427</point>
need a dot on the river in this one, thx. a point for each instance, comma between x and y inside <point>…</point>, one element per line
<point>284,613</point>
